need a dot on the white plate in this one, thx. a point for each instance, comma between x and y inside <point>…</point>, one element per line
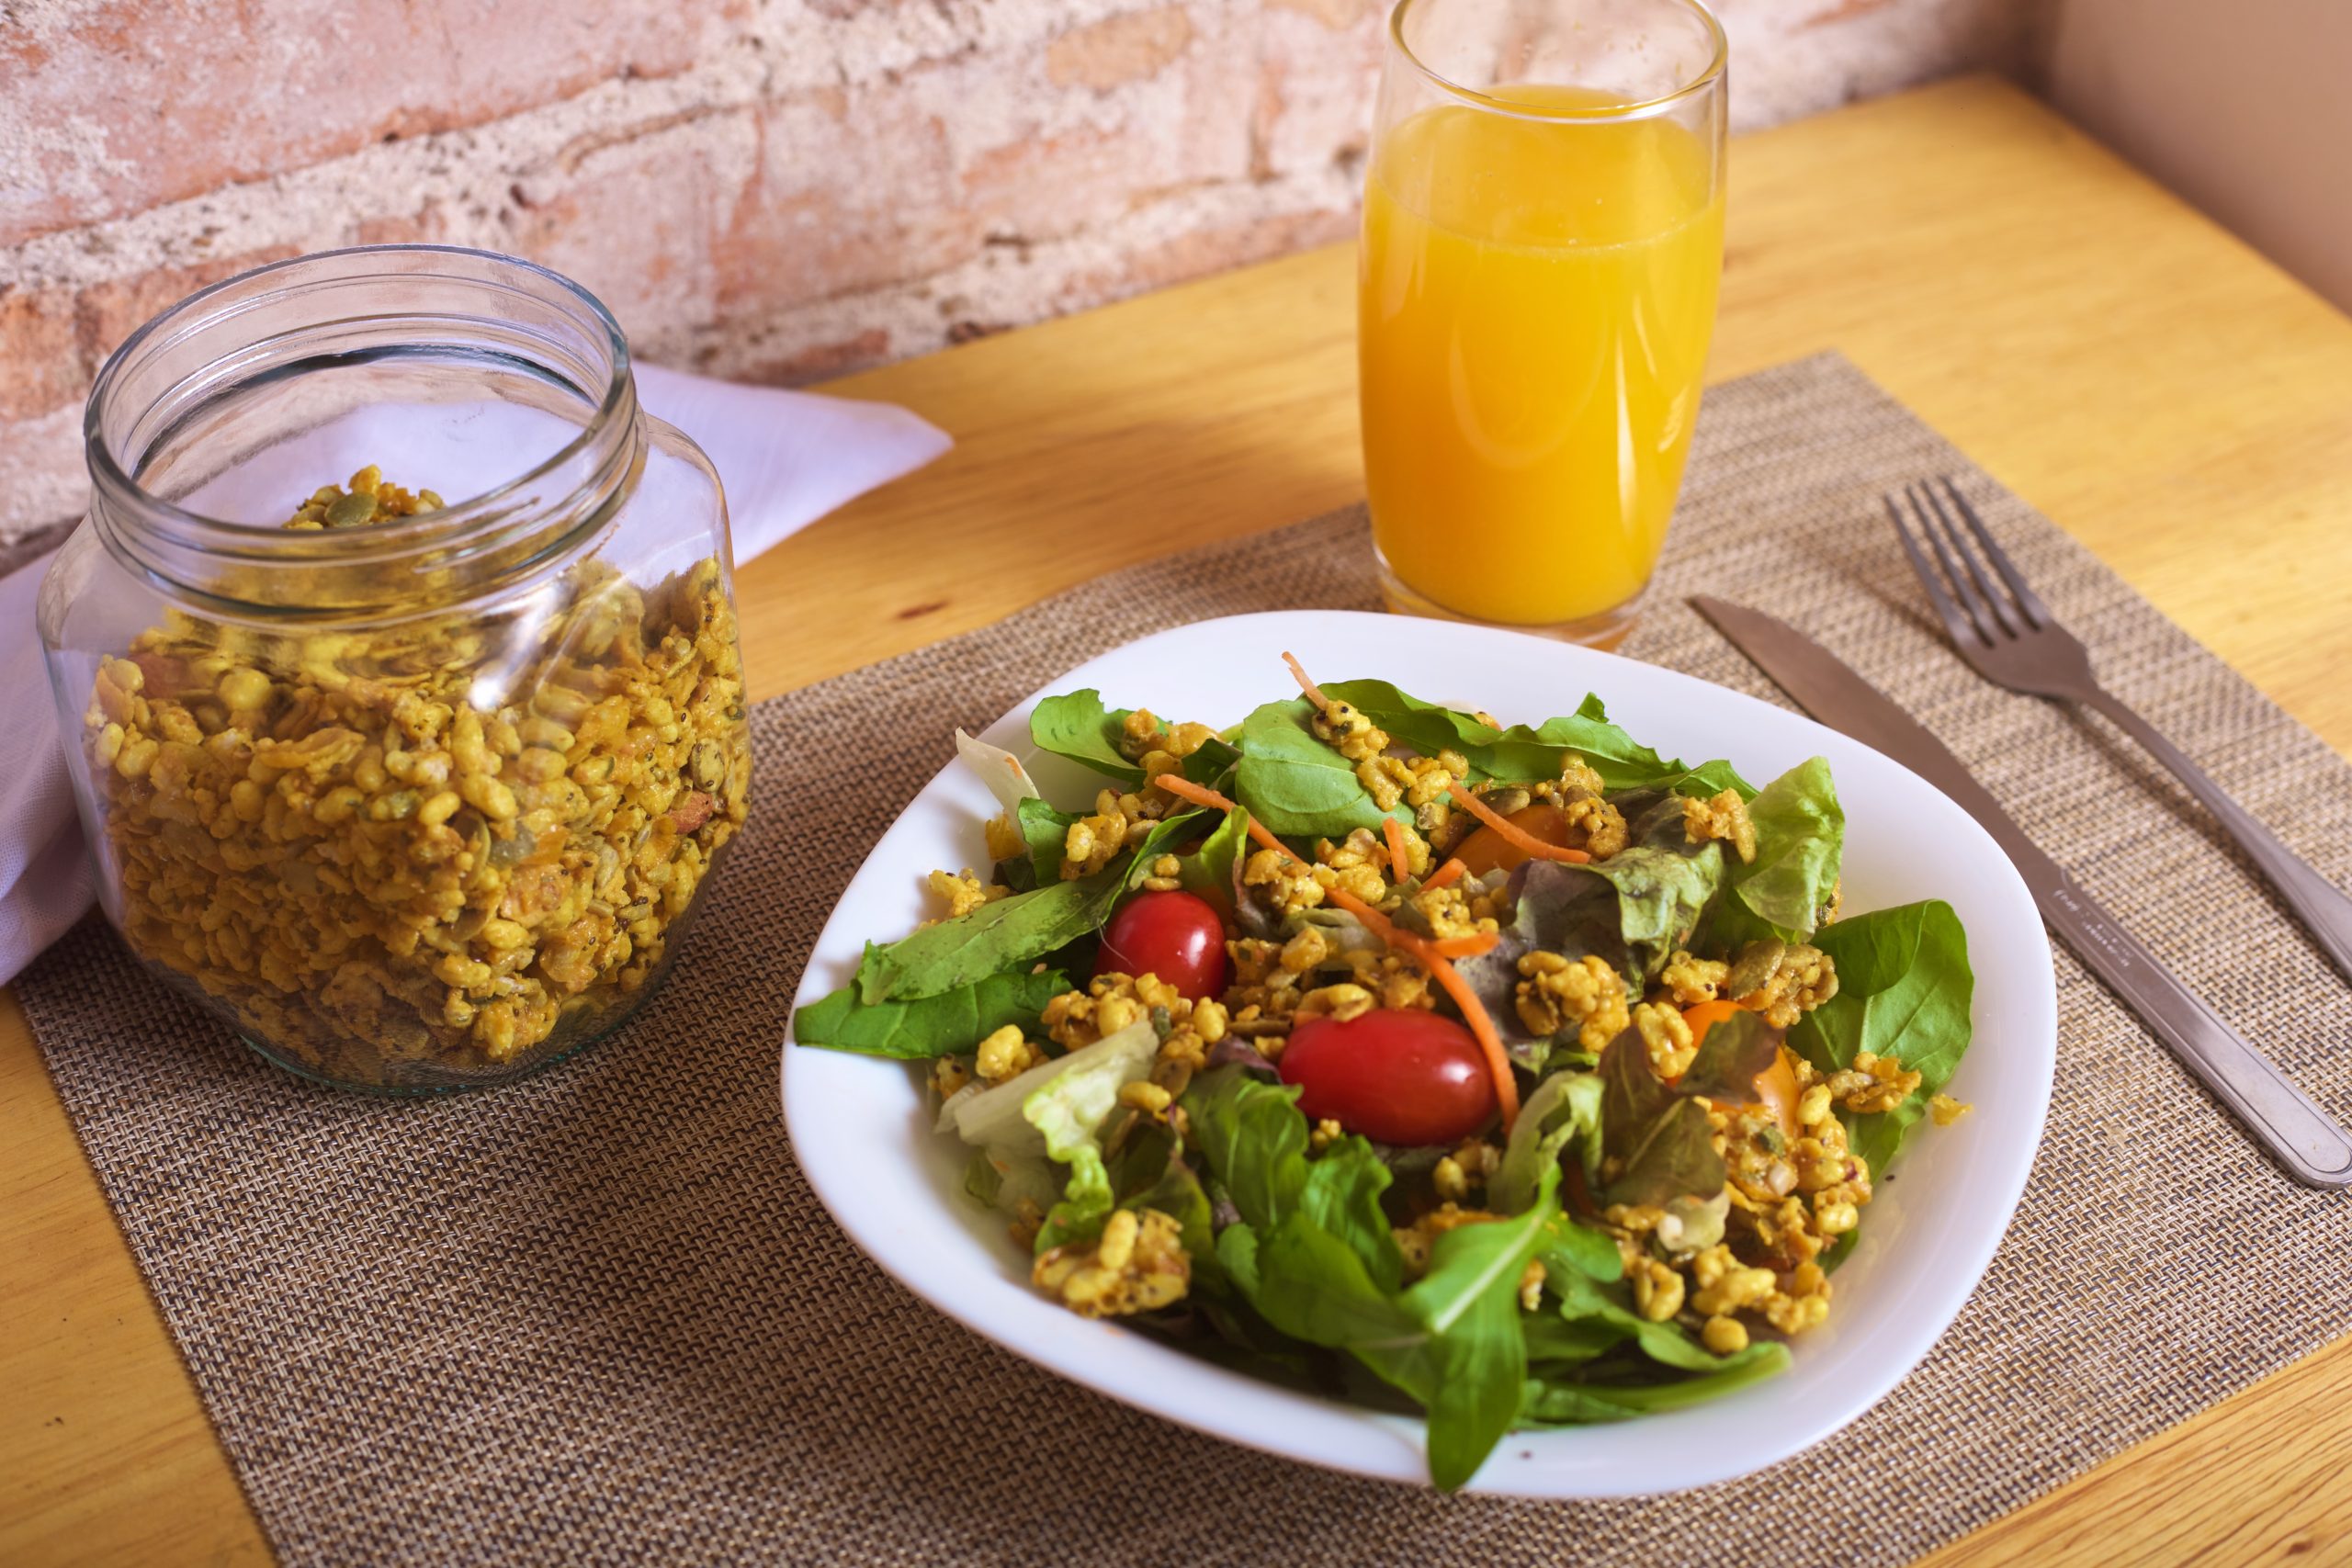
<point>862,1129</point>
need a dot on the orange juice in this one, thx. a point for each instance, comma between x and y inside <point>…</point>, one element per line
<point>1536,297</point>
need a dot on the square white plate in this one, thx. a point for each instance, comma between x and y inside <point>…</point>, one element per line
<point>862,1128</point>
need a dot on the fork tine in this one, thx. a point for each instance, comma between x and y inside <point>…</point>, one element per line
<point>1989,630</point>
<point>1955,624</point>
<point>2036,611</point>
<point>1993,598</point>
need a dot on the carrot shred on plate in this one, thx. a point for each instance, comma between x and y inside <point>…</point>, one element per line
<point>1398,861</point>
<point>1314,692</point>
<point>1475,945</point>
<point>1473,1012</point>
<point>1512,833</point>
<point>1446,874</point>
<point>1183,788</point>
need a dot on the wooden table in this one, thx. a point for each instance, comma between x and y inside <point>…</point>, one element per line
<point>2140,377</point>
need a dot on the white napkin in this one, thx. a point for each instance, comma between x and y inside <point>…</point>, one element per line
<point>787,459</point>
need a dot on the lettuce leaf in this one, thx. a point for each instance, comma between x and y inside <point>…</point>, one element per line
<point>1054,1112</point>
<point>930,1026</point>
<point>1800,839</point>
<point>1904,988</point>
<point>1565,1109</point>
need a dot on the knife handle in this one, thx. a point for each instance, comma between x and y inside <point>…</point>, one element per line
<point>2309,1146</point>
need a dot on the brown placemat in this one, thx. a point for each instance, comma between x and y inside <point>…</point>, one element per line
<point>599,1317</point>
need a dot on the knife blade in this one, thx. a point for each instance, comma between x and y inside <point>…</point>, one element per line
<point>2296,1132</point>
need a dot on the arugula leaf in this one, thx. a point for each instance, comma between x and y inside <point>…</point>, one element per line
<point>931,1026</point>
<point>1311,1252</point>
<point>1150,1172</point>
<point>1469,1367</point>
<point>1799,837</point>
<point>1294,784</point>
<point>1904,989</point>
<point>1009,932</point>
<point>1605,1306</point>
<point>1077,727</point>
<point>988,940</point>
<point>1566,1403</point>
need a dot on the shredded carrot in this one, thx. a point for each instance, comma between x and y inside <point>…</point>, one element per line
<point>1398,861</point>
<point>1473,1012</point>
<point>1512,833</point>
<point>1475,945</point>
<point>1445,875</point>
<point>1183,788</point>
<point>1314,692</point>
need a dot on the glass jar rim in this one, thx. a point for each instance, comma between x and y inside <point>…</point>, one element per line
<point>393,536</point>
<point>1719,55</point>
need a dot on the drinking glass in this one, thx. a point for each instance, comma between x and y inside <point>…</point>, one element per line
<point>1543,241</point>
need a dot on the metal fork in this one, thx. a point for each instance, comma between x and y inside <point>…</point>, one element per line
<point>2012,639</point>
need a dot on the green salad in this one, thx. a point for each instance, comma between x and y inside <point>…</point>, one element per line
<point>1517,1076</point>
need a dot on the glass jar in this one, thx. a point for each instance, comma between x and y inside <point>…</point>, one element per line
<point>413,793</point>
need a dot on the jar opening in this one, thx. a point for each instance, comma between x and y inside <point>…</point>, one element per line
<point>502,386</point>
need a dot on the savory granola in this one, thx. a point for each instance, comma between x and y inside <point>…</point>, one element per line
<point>376,869</point>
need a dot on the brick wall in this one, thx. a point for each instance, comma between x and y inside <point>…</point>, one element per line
<point>774,190</point>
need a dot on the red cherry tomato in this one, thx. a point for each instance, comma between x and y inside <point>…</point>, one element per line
<point>1396,1075</point>
<point>1173,935</point>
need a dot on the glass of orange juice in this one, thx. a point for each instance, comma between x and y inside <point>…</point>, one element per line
<point>1542,239</point>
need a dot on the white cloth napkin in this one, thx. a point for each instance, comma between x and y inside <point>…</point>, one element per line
<point>787,459</point>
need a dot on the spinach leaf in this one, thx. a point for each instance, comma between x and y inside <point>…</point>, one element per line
<point>1046,830</point>
<point>1211,763</point>
<point>1522,754</point>
<point>1623,762</point>
<point>1904,989</point>
<point>930,1026</point>
<point>1425,727</point>
<point>1799,837</point>
<point>1077,727</point>
<point>1295,784</point>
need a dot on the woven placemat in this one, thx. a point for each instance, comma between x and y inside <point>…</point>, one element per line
<point>599,1317</point>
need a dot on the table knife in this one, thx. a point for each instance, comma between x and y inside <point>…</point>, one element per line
<point>2297,1133</point>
